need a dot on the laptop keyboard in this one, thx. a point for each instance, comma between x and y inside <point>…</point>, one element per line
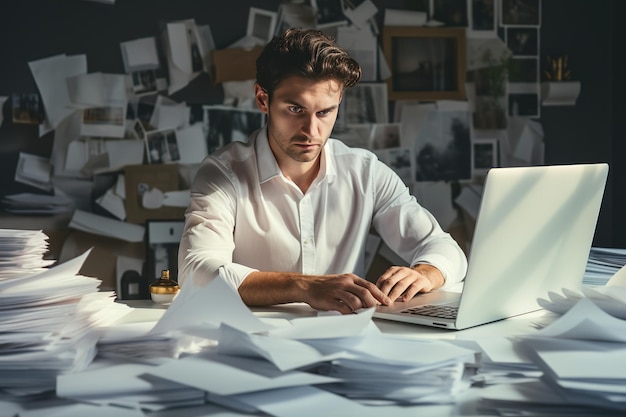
<point>439,311</point>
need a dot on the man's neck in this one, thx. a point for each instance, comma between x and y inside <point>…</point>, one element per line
<point>301,174</point>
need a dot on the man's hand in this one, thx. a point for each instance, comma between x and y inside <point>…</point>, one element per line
<point>402,283</point>
<point>344,293</point>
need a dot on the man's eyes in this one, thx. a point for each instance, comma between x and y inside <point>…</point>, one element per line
<point>296,109</point>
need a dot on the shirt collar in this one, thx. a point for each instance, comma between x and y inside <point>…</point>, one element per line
<point>268,167</point>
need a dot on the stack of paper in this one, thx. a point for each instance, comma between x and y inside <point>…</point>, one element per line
<point>610,297</point>
<point>341,364</point>
<point>21,251</point>
<point>581,356</point>
<point>48,316</point>
<point>500,362</point>
<point>602,264</point>
<point>28,203</point>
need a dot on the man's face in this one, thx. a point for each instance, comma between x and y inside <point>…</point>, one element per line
<point>301,117</point>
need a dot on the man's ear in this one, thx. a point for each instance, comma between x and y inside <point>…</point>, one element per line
<point>262,99</point>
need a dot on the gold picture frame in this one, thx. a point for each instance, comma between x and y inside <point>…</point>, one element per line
<point>425,63</point>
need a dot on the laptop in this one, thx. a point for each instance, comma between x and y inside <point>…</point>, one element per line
<point>533,234</point>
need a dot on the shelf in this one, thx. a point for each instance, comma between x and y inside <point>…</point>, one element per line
<point>560,93</point>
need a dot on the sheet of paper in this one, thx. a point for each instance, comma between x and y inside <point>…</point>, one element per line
<point>305,402</point>
<point>619,278</point>
<point>33,170</point>
<point>97,89</point>
<point>192,144</point>
<point>285,354</point>
<point>401,17</point>
<point>586,321</point>
<point>123,152</point>
<point>363,46</point>
<point>233,375</point>
<point>324,327</point>
<point>110,378</point>
<point>140,54</point>
<point>360,15</point>
<point>208,304</point>
<point>104,226</point>
<point>51,74</point>
<point>112,203</point>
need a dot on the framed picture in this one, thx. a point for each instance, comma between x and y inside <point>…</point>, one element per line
<point>162,146</point>
<point>329,13</point>
<point>450,12</point>
<point>524,70</point>
<point>520,13</point>
<point>523,41</point>
<point>484,155</point>
<point>261,24</point>
<point>482,22</point>
<point>425,63</point>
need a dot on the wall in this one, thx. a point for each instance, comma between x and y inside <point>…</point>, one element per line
<point>34,29</point>
<point>584,133</point>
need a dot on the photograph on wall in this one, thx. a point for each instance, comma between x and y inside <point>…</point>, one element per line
<point>224,125</point>
<point>442,146</point>
<point>400,160</point>
<point>524,104</point>
<point>355,136</point>
<point>144,82</point>
<point>425,63</point>
<point>520,12</point>
<point>385,135</point>
<point>329,13</point>
<point>524,70</point>
<point>108,121</point>
<point>484,155</point>
<point>363,103</point>
<point>162,147</point>
<point>523,41</point>
<point>452,13</point>
<point>261,24</point>
<point>482,18</point>
<point>27,108</point>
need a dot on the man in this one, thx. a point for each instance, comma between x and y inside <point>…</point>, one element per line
<point>285,217</point>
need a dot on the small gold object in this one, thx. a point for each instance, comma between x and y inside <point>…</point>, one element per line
<point>557,69</point>
<point>164,289</point>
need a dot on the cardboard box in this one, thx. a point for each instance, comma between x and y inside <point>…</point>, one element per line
<point>235,64</point>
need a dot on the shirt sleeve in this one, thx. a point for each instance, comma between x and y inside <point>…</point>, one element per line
<point>207,243</point>
<point>411,231</point>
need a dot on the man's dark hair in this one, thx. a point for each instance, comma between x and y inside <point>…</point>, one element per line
<point>305,53</point>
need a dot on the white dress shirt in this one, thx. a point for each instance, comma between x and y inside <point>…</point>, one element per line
<point>245,215</point>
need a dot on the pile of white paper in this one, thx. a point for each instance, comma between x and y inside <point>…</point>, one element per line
<point>22,251</point>
<point>582,357</point>
<point>610,297</point>
<point>328,364</point>
<point>602,264</point>
<point>48,316</point>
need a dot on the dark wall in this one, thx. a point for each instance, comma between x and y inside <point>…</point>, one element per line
<point>583,29</point>
<point>584,133</point>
